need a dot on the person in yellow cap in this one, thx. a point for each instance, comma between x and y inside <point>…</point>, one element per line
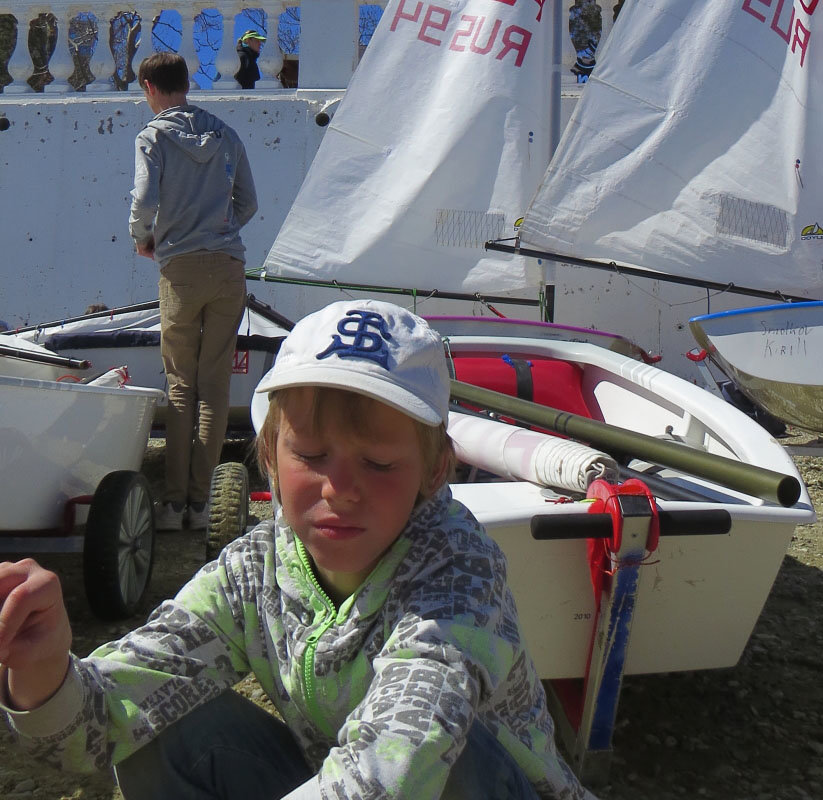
<point>248,49</point>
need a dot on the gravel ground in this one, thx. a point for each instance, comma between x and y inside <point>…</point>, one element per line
<point>752,732</point>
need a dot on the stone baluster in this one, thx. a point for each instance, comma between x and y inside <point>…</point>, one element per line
<point>61,64</point>
<point>227,62</point>
<point>271,56</point>
<point>20,66</point>
<point>101,64</point>
<point>147,11</point>
<point>187,49</point>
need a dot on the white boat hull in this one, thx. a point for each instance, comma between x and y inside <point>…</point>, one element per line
<point>132,338</point>
<point>772,353</point>
<point>57,442</point>
<point>699,596</point>
<point>22,358</point>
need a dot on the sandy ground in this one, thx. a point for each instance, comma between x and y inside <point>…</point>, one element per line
<point>751,732</point>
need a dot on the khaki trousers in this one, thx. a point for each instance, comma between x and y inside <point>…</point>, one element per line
<point>202,296</point>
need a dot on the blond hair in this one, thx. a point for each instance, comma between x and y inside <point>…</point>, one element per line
<point>350,411</point>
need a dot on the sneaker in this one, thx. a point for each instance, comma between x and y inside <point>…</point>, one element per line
<point>168,517</point>
<point>198,516</point>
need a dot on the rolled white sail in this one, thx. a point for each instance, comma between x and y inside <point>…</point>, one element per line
<point>521,454</point>
<point>438,146</point>
<point>695,147</point>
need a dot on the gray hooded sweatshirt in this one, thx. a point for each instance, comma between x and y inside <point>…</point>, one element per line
<point>379,691</point>
<point>193,187</point>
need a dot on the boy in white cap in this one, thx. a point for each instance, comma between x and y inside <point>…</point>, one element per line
<point>373,611</point>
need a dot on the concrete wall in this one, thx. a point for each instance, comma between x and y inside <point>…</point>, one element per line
<point>66,170</point>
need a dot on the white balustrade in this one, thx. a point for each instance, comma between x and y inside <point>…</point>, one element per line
<point>187,48</point>
<point>328,39</point>
<point>227,62</point>
<point>20,66</point>
<point>101,64</point>
<point>147,11</point>
<point>61,64</point>
<point>270,61</point>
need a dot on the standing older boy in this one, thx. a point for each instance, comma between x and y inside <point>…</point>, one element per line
<point>193,191</point>
<point>373,611</point>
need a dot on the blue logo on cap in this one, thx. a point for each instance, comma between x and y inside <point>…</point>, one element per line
<point>369,344</point>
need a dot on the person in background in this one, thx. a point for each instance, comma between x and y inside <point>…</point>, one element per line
<point>248,50</point>
<point>374,612</point>
<point>193,192</point>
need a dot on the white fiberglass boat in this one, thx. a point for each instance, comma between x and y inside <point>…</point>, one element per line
<point>22,358</point>
<point>772,353</point>
<point>131,336</point>
<point>699,595</point>
<point>70,456</point>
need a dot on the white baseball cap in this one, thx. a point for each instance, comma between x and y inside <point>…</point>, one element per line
<point>370,347</point>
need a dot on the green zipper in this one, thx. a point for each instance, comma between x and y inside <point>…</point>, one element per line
<point>311,649</point>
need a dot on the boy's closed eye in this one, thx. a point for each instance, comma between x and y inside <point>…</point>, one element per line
<point>309,457</point>
<point>369,463</point>
<point>379,466</point>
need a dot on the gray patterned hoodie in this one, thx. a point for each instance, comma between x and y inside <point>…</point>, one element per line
<point>193,187</point>
<point>434,620</point>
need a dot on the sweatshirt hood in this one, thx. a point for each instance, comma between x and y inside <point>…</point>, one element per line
<point>196,132</point>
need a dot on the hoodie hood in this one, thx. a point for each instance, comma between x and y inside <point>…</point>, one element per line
<point>195,131</point>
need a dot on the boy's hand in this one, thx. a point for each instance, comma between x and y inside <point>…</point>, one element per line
<point>35,634</point>
<point>146,249</point>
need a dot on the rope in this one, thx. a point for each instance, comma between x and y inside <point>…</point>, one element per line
<point>572,465</point>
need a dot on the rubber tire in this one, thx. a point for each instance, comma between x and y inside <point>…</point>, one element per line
<point>228,506</point>
<point>118,550</point>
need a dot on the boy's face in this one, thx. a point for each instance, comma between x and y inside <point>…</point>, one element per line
<point>347,497</point>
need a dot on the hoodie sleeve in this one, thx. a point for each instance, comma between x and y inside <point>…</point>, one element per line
<point>145,196</point>
<point>126,692</point>
<point>244,197</point>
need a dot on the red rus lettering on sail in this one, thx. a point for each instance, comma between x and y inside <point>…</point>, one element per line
<point>431,21</point>
<point>483,49</point>
<point>515,39</point>
<point>794,32</point>
<point>462,33</point>
<point>800,41</point>
<point>480,35</point>
<point>775,23</point>
<point>402,14</point>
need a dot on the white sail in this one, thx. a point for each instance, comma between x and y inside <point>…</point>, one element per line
<point>695,149</point>
<point>438,146</point>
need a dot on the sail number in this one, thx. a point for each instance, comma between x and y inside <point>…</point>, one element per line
<point>790,26</point>
<point>465,33</point>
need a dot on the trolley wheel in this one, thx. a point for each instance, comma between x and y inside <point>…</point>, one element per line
<point>228,506</point>
<point>118,551</point>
